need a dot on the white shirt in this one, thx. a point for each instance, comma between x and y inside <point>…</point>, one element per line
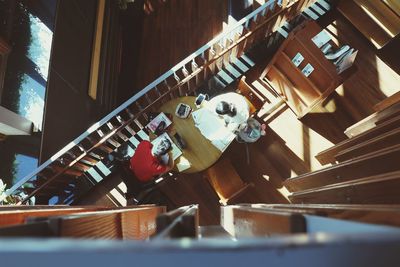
<point>239,102</point>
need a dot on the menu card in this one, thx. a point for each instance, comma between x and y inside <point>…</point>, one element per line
<point>298,58</point>
<point>307,70</point>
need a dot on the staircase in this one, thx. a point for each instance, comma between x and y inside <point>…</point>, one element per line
<point>80,165</point>
<point>363,169</point>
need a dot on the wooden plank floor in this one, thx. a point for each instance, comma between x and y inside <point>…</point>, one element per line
<point>288,149</point>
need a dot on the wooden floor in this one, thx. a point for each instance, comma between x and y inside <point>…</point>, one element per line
<point>290,145</point>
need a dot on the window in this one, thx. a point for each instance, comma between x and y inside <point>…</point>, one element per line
<point>26,32</point>
<point>28,62</point>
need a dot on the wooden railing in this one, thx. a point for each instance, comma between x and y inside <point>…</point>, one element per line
<point>129,119</point>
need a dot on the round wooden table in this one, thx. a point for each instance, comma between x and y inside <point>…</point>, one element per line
<point>199,151</point>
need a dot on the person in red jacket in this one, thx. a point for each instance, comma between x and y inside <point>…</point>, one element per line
<point>151,160</point>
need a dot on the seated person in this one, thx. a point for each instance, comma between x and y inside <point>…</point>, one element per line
<point>151,160</point>
<point>232,107</point>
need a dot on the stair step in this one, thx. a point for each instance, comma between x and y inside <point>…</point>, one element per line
<point>240,65</point>
<point>225,77</point>
<point>143,135</point>
<point>233,72</point>
<point>248,61</point>
<point>311,14</point>
<point>324,4</point>
<point>317,9</point>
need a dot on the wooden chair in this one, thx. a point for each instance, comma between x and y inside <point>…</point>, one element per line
<point>226,181</point>
<point>252,97</point>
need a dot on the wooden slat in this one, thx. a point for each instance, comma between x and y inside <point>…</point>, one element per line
<point>140,224</point>
<point>110,224</point>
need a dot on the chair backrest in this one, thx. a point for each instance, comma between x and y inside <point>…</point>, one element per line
<point>255,102</point>
<point>225,181</point>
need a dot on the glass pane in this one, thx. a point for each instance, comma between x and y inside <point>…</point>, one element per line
<point>40,46</point>
<point>28,64</point>
<point>32,100</point>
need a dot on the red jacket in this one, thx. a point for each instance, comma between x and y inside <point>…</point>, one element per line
<point>144,165</point>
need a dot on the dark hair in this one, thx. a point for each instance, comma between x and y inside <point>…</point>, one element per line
<point>224,107</point>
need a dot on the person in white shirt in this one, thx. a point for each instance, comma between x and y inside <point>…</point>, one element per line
<point>232,107</point>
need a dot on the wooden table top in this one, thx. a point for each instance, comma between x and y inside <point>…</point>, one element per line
<point>199,151</point>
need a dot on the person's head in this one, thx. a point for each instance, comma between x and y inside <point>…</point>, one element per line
<point>224,108</point>
<point>162,147</point>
